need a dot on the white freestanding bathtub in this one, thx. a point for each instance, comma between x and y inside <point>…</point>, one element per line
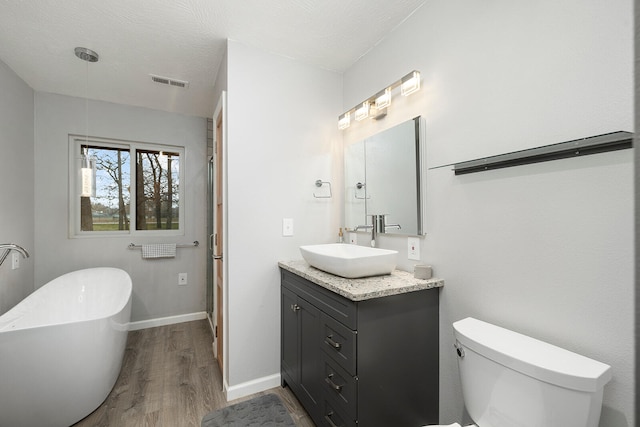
<point>61,348</point>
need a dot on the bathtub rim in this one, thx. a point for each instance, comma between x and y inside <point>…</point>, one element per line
<point>29,303</point>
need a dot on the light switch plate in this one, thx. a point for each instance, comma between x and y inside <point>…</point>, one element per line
<point>413,248</point>
<point>287,226</point>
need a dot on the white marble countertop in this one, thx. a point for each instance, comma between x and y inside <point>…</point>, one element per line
<point>398,282</point>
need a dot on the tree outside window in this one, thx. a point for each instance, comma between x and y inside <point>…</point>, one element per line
<point>155,190</point>
<point>109,209</point>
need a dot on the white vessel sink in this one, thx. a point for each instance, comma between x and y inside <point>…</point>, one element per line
<point>350,261</point>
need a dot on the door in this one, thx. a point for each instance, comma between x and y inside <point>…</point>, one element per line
<point>300,351</point>
<point>218,236</point>
<point>310,368</point>
<point>210,208</point>
<point>210,198</point>
<point>289,343</point>
<point>217,241</point>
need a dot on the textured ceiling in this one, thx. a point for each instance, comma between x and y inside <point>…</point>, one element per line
<point>181,39</point>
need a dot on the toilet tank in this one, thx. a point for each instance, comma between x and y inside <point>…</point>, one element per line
<point>510,379</point>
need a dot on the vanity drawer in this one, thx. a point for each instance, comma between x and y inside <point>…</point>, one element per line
<point>332,416</point>
<point>339,343</point>
<point>336,306</point>
<point>340,388</point>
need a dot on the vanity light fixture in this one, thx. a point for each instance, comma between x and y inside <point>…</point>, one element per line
<point>383,99</point>
<point>410,83</point>
<point>362,111</point>
<point>344,121</point>
<point>376,105</point>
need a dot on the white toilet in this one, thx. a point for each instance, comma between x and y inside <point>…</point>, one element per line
<point>512,380</point>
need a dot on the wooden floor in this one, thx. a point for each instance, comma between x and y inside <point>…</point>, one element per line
<point>170,378</point>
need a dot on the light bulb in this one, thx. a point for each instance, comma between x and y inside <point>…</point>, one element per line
<point>410,83</point>
<point>344,121</point>
<point>86,182</point>
<point>362,112</point>
<point>383,99</point>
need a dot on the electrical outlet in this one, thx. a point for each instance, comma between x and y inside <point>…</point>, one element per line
<point>287,226</point>
<point>15,261</point>
<point>182,279</point>
<point>413,248</point>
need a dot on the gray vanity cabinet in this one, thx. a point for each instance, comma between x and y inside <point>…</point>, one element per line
<point>300,327</point>
<point>360,363</point>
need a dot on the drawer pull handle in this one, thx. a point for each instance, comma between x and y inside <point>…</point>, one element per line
<point>337,388</point>
<point>295,307</point>
<point>329,340</point>
<point>328,418</point>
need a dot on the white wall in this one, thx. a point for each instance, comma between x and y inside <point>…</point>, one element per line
<point>221,79</point>
<point>282,137</point>
<point>155,290</point>
<point>16,184</point>
<point>544,249</point>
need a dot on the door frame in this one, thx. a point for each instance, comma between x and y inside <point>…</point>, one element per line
<point>220,117</point>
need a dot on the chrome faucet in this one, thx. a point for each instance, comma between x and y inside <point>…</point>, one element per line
<point>366,227</point>
<point>382,224</point>
<point>8,247</point>
<point>374,228</point>
<point>362,227</point>
<point>397,226</point>
<point>378,225</point>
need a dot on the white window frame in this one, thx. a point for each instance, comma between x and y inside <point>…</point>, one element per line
<point>75,144</point>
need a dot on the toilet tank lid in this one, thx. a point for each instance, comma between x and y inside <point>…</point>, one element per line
<point>532,357</point>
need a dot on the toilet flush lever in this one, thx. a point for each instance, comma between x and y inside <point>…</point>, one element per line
<point>459,349</point>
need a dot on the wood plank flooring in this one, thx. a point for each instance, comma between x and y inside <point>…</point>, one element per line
<point>169,378</point>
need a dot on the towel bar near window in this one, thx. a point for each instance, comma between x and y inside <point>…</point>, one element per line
<point>195,244</point>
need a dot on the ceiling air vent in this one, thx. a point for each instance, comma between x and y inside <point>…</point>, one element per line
<point>169,81</point>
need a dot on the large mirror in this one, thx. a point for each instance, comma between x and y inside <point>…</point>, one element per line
<point>383,176</point>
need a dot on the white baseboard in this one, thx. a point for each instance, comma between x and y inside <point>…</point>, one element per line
<point>232,392</point>
<point>162,321</point>
<point>253,386</point>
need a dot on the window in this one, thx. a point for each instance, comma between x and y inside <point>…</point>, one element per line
<point>137,188</point>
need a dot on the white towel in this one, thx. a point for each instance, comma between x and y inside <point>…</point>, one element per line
<point>159,250</point>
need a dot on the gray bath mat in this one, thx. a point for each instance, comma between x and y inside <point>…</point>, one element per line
<point>266,410</point>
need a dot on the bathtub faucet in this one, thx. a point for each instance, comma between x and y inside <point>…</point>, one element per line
<point>8,247</point>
